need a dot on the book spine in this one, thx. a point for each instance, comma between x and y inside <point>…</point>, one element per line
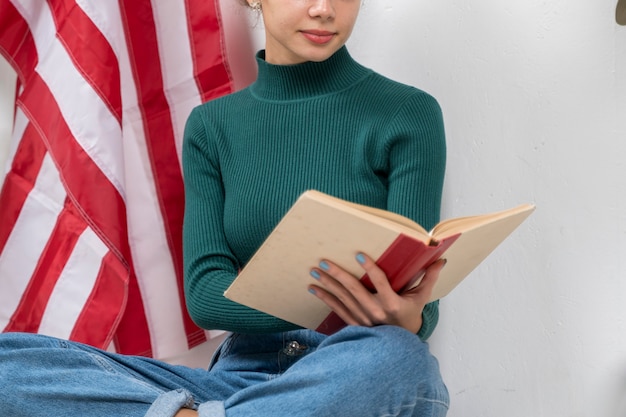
<point>406,260</point>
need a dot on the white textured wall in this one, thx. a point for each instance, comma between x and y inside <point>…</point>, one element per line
<point>534,99</point>
<point>534,96</point>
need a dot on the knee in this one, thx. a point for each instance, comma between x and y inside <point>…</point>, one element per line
<point>20,353</point>
<point>388,346</point>
<point>12,369</point>
<point>401,359</point>
<point>13,341</point>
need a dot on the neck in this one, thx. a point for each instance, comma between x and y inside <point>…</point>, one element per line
<point>308,79</point>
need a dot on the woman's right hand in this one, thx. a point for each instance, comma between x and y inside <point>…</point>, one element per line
<point>356,305</point>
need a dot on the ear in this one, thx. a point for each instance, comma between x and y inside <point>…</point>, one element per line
<point>620,12</point>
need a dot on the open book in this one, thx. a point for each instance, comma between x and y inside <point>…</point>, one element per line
<point>319,226</point>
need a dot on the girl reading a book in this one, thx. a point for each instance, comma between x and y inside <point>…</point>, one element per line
<point>313,119</point>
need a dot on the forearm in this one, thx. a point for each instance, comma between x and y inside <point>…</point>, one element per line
<point>211,310</point>
<point>430,317</point>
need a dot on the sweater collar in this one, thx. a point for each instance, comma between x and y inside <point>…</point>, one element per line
<point>306,80</point>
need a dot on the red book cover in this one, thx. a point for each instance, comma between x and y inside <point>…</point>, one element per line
<point>404,262</point>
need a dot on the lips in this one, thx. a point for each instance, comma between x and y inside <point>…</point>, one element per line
<point>319,37</point>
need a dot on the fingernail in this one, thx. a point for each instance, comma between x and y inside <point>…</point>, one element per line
<point>324,265</point>
<point>360,258</point>
<point>312,291</point>
<point>315,274</point>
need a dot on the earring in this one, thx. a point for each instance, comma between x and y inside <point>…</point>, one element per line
<point>255,5</point>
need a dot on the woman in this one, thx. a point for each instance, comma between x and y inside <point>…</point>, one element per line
<point>317,119</point>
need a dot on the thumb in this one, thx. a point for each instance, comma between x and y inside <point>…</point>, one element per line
<point>424,289</point>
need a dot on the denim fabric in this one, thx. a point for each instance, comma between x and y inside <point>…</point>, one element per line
<point>379,371</point>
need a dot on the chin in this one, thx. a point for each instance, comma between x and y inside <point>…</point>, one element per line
<point>322,54</point>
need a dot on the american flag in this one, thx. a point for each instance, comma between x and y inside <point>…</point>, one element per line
<point>92,202</point>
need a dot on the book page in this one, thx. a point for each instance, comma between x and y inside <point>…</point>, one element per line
<point>475,244</point>
<point>383,214</point>
<point>311,231</point>
<point>318,226</point>
<point>463,224</point>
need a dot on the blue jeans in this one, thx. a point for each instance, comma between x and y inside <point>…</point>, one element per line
<point>359,371</point>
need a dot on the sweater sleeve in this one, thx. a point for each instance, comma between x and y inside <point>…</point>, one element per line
<point>417,156</point>
<point>210,266</point>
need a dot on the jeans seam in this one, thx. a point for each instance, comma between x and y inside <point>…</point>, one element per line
<point>412,406</point>
<point>106,366</point>
<point>227,345</point>
<point>435,401</point>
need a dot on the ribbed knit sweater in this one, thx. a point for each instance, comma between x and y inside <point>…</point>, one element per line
<point>335,126</point>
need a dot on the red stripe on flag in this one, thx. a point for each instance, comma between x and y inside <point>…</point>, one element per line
<point>97,202</point>
<point>133,333</point>
<point>16,41</point>
<point>29,312</point>
<point>20,181</point>
<point>96,325</point>
<point>137,17</point>
<point>94,196</point>
<point>90,51</point>
<point>211,73</point>
<point>90,190</point>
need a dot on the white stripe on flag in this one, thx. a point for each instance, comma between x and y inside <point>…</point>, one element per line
<point>74,286</point>
<point>73,95</point>
<point>151,254</point>
<point>106,16</point>
<point>180,87</point>
<point>29,237</point>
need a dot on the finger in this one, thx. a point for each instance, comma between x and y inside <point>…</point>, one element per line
<point>342,286</point>
<point>346,280</point>
<point>377,276</point>
<point>423,291</point>
<point>384,304</point>
<point>334,304</point>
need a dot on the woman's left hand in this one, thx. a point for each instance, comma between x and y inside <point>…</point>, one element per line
<point>356,305</point>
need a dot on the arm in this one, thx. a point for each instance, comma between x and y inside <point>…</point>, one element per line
<point>418,160</point>
<point>210,266</point>
<point>415,149</point>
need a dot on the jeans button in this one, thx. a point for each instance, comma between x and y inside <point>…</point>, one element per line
<point>294,349</point>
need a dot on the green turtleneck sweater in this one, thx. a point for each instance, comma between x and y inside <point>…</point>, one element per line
<point>334,126</point>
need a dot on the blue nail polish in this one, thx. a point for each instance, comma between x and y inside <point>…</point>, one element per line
<point>360,258</point>
<point>315,274</point>
<point>324,265</point>
<point>312,291</point>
